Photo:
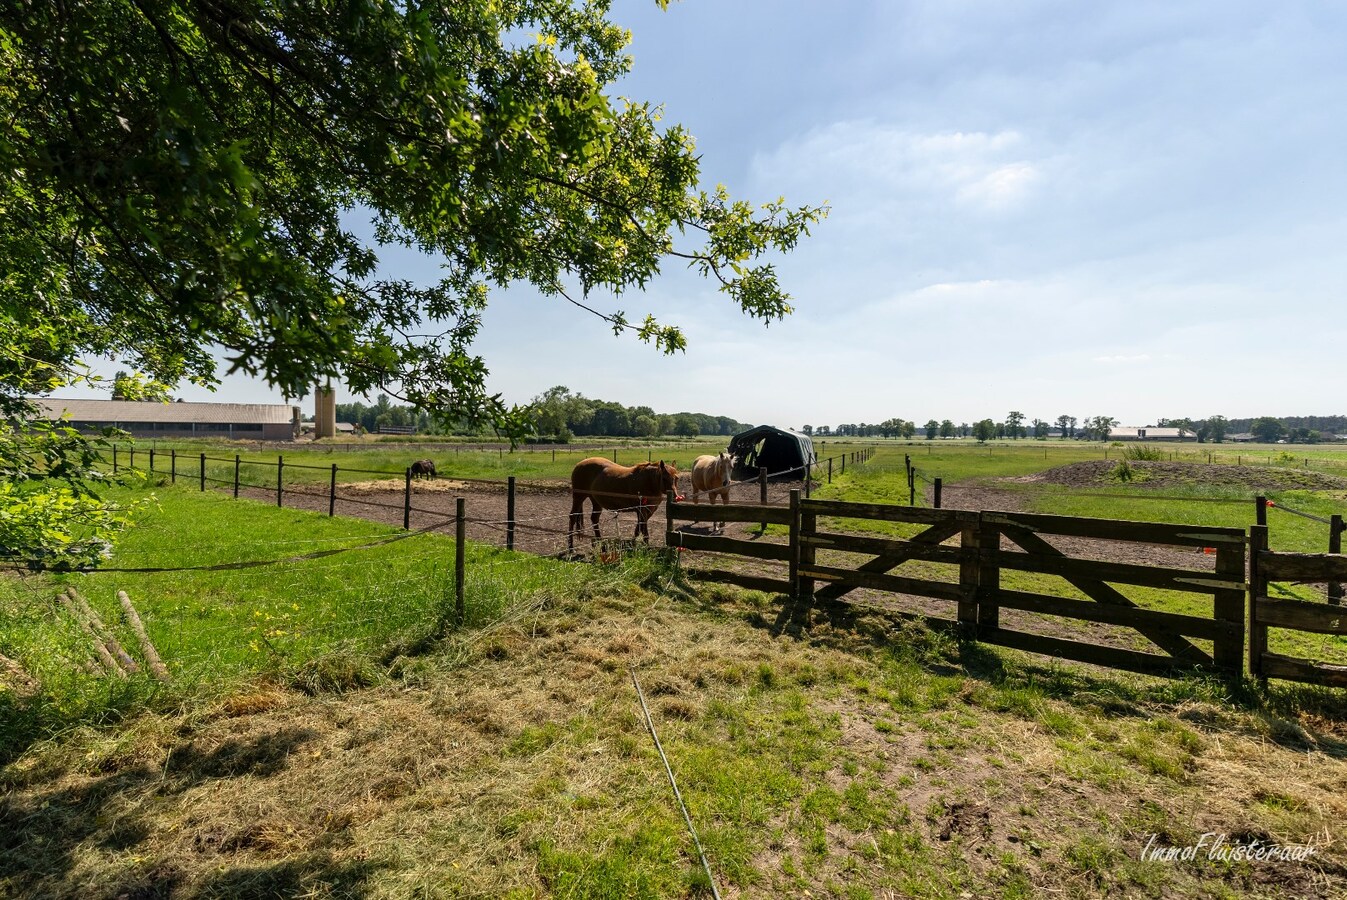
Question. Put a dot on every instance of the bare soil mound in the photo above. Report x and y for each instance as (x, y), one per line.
(1101, 472)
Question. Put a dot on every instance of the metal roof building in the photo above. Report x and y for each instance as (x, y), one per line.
(245, 421)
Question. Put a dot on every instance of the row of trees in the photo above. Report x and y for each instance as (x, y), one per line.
(557, 414)
(1013, 427)
(560, 414)
(1213, 429)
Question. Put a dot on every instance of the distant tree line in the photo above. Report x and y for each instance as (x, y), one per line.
(557, 415)
(560, 414)
(1212, 429)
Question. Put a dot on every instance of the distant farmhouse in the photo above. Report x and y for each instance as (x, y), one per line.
(1150, 433)
(151, 419)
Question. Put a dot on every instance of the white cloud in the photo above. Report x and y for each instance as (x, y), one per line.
(1123, 359)
(983, 171)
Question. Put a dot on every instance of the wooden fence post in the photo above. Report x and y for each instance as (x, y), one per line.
(509, 513)
(1335, 526)
(203, 471)
(843, 458)
(280, 469)
(236, 476)
(151, 460)
(173, 466)
(795, 543)
(1258, 543)
(806, 524)
(132, 449)
(830, 470)
(762, 493)
(669, 501)
(1227, 648)
(407, 499)
(332, 493)
(460, 538)
(938, 485)
(912, 486)
(808, 474)
(1260, 511)
(968, 580)
(989, 575)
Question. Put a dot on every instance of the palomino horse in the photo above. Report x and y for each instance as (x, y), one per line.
(712, 474)
(608, 485)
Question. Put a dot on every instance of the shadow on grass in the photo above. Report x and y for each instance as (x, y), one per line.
(42, 834)
(1295, 717)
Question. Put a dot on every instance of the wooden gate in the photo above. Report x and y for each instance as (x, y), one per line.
(1171, 632)
(1300, 615)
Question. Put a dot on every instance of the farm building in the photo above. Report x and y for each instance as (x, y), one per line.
(777, 451)
(1150, 433)
(248, 421)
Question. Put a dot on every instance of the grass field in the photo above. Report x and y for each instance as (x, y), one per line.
(329, 730)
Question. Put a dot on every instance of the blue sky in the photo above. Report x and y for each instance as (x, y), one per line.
(1124, 208)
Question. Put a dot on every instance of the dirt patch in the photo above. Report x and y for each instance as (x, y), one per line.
(1152, 475)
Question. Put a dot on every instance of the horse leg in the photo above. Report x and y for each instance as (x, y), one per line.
(576, 521)
(594, 519)
(643, 514)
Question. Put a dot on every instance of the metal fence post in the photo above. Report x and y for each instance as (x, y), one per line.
(203, 471)
(173, 466)
(509, 514)
(332, 493)
(280, 467)
(460, 538)
(407, 500)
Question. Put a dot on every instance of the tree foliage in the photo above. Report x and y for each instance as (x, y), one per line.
(184, 177)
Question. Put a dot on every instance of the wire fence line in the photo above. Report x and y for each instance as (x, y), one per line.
(292, 598)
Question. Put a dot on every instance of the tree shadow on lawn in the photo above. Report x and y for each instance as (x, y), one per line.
(41, 833)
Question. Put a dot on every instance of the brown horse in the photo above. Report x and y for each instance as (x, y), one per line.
(608, 485)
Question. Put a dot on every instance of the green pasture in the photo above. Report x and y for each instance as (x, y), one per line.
(329, 592)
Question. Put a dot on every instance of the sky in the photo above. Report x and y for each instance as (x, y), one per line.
(1133, 209)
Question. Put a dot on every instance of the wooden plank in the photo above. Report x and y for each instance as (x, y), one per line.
(857, 544)
(887, 512)
(1277, 666)
(1118, 529)
(935, 534)
(735, 512)
(714, 543)
(752, 582)
(1175, 645)
(897, 584)
(1129, 616)
(1190, 580)
(1300, 615)
(1303, 566)
(1112, 657)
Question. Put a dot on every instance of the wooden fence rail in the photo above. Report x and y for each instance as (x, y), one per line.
(962, 554)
